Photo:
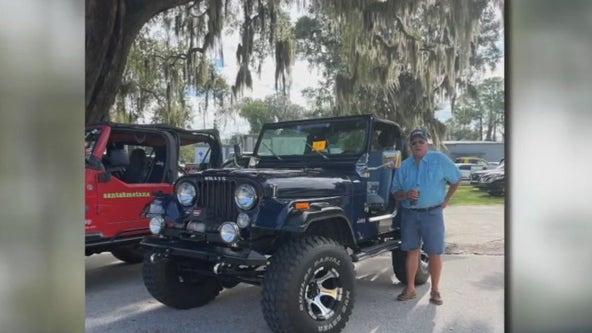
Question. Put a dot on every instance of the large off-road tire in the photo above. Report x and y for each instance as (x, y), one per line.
(399, 259)
(131, 254)
(308, 287)
(169, 286)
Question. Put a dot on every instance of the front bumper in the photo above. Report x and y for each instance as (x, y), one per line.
(496, 185)
(203, 251)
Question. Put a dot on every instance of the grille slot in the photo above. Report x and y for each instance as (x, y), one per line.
(217, 197)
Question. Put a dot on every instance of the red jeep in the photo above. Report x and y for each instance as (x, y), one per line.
(124, 165)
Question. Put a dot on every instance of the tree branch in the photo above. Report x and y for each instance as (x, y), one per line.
(180, 56)
(151, 7)
(150, 91)
(405, 29)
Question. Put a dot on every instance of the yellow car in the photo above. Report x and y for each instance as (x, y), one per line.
(471, 160)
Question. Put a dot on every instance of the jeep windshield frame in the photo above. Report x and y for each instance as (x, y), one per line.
(313, 142)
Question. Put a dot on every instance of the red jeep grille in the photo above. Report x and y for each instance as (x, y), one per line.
(217, 197)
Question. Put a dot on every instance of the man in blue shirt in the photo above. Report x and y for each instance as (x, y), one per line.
(420, 188)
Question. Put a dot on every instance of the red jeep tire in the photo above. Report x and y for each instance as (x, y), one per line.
(131, 254)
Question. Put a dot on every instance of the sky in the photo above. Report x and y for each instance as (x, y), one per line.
(303, 76)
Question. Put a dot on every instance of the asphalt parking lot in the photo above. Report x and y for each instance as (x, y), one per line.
(472, 288)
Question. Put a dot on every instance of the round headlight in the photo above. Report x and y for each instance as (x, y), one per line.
(243, 220)
(186, 193)
(245, 196)
(156, 224)
(229, 232)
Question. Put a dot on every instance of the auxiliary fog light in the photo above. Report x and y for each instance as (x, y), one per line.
(156, 224)
(243, 220)
(229, 232)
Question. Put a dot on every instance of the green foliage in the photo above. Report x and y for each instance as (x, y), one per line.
(187, 154)
(352, 142)
(275, 108)
(397, 60)
(468, 195)
(165, 66)
(256, 113)
(491, 97)
(480, 116)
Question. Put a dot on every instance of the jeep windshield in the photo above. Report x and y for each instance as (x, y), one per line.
(325, 140)
(91, 136)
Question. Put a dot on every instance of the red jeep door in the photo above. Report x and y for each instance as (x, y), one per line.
(133, 158)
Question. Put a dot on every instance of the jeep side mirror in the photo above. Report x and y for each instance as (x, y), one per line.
(391, 159)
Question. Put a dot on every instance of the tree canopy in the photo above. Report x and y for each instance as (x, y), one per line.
(113, 25)
(273, 109)
(395, 58)
(480, 116)
(399, 59)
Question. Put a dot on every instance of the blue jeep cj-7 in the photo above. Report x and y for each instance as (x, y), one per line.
(314, 198)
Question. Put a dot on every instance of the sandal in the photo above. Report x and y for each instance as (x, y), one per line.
(435, 298)
(405, 296)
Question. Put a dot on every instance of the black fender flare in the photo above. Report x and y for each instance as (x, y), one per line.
(300, 221)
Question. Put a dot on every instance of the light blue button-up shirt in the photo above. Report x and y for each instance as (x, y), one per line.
(431, 175)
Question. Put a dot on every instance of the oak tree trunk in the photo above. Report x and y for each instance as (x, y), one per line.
(111, 27)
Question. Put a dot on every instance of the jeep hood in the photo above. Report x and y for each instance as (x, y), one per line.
(291, 183)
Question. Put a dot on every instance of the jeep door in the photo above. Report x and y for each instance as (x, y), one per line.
(136, 160)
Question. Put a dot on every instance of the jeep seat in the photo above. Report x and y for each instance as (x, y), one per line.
(117, 160)
(136, 172)
(157, 173)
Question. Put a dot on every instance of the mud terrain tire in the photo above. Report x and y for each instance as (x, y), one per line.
(309, 287)
(181, 291)
(399, 257)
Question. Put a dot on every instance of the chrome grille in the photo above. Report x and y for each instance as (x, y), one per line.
(217, 197)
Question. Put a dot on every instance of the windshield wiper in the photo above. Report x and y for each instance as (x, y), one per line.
(271, 151)
(318, 152)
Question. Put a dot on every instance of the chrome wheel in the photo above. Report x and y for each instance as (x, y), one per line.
(323, 293)
(309, 287)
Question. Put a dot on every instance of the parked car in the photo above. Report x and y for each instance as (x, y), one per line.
(476, 175)
(124, 165)
(496, 185)
(471, 160)
(476, 162)
(314, 199)
(465, 170)
(493, 182)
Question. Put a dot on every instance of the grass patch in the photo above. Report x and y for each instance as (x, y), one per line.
(468, 195)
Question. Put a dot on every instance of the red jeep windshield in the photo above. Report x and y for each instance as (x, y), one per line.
(90, 141)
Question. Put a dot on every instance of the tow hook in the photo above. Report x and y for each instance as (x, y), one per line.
(154, 257)
(218, 268)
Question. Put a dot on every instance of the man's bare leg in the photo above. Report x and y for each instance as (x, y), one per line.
(435, 267)
(412, 265)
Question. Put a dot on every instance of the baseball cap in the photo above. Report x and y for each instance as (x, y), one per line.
(418, 132)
